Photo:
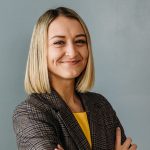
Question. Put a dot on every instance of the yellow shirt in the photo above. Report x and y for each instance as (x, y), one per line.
(81, 117)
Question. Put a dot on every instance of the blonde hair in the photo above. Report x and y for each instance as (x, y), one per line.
(36, 76)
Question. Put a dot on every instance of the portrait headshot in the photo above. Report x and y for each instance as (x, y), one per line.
(75, 75)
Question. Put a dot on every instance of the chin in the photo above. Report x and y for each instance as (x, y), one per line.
(71, 76)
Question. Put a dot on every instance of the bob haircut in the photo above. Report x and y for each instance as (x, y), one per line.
(36, 76)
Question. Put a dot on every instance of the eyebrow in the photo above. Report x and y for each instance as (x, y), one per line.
(80, 35)
(62, 36)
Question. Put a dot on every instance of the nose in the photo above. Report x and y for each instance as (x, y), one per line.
(71, 50)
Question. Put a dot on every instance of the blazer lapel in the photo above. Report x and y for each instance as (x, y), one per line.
(65, 115)
(95, 123)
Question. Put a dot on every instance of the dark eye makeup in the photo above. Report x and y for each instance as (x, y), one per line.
(59, 43)
(80, 41)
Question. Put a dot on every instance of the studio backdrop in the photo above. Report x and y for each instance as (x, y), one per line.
(120, 32)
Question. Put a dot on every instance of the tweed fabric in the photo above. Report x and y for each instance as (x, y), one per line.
(44, 120)
(81, 117)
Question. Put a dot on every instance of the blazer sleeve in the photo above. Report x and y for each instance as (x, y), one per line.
(112, 118)
(117, 123)
(33, 128)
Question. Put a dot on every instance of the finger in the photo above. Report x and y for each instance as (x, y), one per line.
(118, 137)
(58, 149)
(127, 143)
(133, 147)
(59, 146)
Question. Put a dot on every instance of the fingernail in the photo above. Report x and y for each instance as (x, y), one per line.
(118, 128)
(58, 146)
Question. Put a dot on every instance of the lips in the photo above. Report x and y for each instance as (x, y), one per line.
(72, 62)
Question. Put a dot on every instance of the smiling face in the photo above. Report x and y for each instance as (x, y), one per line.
(67, 49)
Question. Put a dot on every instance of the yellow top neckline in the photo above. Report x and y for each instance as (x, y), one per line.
(82, 119)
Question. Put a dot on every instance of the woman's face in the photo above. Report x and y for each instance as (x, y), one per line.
(67, 48)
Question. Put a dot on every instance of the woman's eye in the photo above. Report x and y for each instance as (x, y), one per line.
(59, 43)
(80, 42)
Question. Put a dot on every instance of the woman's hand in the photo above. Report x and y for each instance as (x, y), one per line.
(126, 144)
(59, 147)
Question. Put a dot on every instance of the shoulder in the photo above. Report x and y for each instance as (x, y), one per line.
(33, 111)
(98, 100)
(31, 105)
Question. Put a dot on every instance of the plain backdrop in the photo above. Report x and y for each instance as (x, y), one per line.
(120, 32)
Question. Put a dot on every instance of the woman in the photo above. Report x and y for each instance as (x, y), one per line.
(59, 112)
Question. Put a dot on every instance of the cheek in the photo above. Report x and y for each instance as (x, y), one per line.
(85, 54)
(53, 56)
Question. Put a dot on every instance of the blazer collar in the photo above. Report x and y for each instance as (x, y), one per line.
(59, 104)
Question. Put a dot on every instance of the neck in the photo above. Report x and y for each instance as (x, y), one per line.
(65, 88)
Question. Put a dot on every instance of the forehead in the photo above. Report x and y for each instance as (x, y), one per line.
(66, 26)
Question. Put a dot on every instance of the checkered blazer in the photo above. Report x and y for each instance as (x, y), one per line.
(44, 120)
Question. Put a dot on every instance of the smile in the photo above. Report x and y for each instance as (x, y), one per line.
(74, 62)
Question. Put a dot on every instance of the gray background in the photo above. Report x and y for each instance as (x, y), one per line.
(120, 31)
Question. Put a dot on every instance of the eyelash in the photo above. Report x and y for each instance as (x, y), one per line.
(81, 41)
(59, 43)
(63, 42)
